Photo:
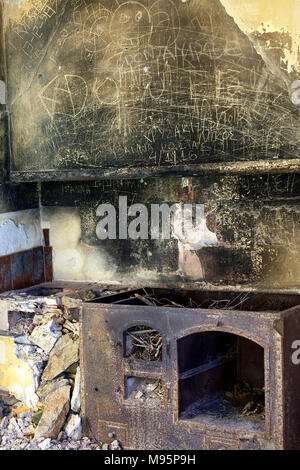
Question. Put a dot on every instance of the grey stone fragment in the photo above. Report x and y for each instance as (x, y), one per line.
(49, 387)
(45, 336)
(73, 429)
(57, 406)
(63, 355)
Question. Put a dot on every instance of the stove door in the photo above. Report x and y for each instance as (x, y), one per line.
(126, 376)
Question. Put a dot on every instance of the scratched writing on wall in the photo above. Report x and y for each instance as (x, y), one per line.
(141, 83)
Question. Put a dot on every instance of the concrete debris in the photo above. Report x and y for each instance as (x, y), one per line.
(20, 434)
(56, 409)
(72, 314)
(4, 423)
(45, 445)
(50, 302)
(9, 441)
(35, 358)
(72, 327)
(45, 336)
(21, 424)
(76, 398)
(29, 432)
(63, 355)
(49, 387)
(79, 294)
(14, 427)
(44, 333)
(69, 302)
(19, 323)
(73, 427)
(23, 302)
(115, 445)
(45, 316)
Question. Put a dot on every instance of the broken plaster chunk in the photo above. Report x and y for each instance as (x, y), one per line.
(70, 303)
(4, 423)
(73, 429)
(75, 402)
(115, 445)
(4, 308)
(46, 336)
(63, 355)
(56, 409)
(72, 327)
(34, 358)
(14, 427)
(45, 445)
(49, 387)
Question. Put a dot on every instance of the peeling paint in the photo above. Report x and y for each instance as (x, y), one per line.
(19, 231)
(270, 17)
(193, 237)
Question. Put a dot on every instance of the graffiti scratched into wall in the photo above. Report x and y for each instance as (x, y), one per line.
(140, 84)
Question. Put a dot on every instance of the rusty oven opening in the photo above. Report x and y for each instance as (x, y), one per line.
(221, 380)
(143, 343)
(143, 391)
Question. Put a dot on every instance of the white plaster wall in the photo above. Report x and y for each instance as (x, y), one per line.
(19, 231)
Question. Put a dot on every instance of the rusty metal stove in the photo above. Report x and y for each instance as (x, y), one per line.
(207, 351)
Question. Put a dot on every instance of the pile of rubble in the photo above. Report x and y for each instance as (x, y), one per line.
(46, 336)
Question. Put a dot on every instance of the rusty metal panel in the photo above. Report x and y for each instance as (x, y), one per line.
(5, 273)
(48, 263)
(204, 351)
(27, 268)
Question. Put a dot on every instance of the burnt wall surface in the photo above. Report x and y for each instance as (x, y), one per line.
(250, 232)
(142, 84)
(18, 197)
(13, 197)
(132, 87)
